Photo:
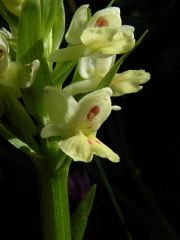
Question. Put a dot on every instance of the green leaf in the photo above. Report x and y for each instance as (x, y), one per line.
(16, 142)
(53, 24)
(30, 42)
(58, 26)
(30, 47)
(10, 18)
(20, 121)
(111, 3)
(48, 13)
(61, 72)
(113, 198)
(80, 217)
(110, 75)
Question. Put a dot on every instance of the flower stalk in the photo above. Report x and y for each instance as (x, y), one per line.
(54, 203)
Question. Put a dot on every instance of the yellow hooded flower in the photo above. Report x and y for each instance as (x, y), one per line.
(129, 82)
(103, 34)
(77, 123)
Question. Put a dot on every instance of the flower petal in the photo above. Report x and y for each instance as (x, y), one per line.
(83, 86)
(50, 131)
(82, 148)
(93, 109)
(77, 25)
(60, 106)
(129, 82)
(77, 147)
(108, 40)
(101, 150)
(29, 73)
(111, 15)
(19, 75)
(70, 53)
(92, 66)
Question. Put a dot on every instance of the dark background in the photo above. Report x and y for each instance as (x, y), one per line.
(145, 133)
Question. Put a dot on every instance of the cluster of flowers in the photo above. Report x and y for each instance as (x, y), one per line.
(93, 41)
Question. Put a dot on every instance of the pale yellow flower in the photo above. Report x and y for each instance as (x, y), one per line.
(77, 123)
(102, 34)
(129, 82)
(14, 74)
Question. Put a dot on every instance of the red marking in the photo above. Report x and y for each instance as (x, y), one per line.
(89, 141)
(93, 112)
(101, 22)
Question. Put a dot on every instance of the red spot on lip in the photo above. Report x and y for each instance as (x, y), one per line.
(101, 22)
(93, 112)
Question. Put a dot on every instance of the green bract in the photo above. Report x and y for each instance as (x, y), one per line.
(78, 122)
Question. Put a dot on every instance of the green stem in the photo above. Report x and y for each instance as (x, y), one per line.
(54, 204)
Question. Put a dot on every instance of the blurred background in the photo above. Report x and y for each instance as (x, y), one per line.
(145, 133)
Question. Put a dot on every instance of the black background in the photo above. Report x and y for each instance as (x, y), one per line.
(145, 133)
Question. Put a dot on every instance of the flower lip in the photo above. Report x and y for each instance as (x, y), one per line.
(94, 111)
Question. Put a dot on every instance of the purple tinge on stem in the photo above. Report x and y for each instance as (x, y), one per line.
(78, 184)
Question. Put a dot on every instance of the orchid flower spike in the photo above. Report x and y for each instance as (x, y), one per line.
(129, 82)
(102, 34)
(77, 123)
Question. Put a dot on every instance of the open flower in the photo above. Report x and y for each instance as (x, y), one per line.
(77, 123)
(103, 34)
(104, 31)
(92, 70)
(129, 82)
(14, 74)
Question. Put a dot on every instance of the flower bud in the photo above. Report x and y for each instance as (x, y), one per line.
(129, 82)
